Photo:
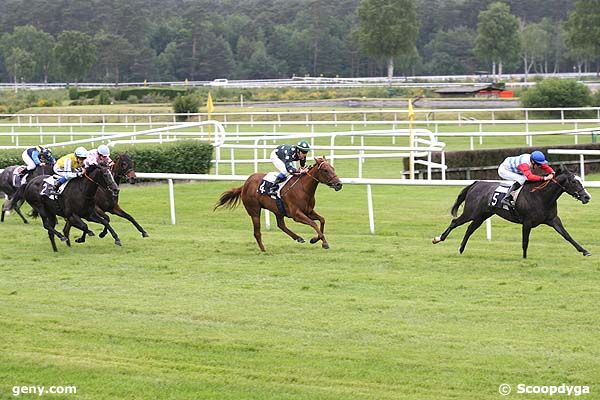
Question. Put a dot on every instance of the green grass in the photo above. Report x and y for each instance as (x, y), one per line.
(195, 311)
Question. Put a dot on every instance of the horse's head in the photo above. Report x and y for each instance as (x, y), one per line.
(572, 184)
(101, 175)
(123, 169)
(325, 173)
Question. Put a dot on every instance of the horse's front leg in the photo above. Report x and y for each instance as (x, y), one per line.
(281, 225)
(316, 216)
(525, 238)
(121, 213)
(94, 217)
(299, 216)
(556, 223)
(76, 221)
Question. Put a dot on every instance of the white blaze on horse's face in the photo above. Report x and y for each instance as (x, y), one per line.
(586, 197)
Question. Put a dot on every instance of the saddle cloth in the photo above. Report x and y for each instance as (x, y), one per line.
(268, 181)
(49, 183)
(500, 193)
(16, 174)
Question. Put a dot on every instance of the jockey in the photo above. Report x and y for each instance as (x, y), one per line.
(284, 157)
(518, 169)
(101, 155)
(35, 156)
(68, 167)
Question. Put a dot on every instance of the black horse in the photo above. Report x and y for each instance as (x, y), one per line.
(535, 205)
(76, 202)
(122, 169)
(14, 193)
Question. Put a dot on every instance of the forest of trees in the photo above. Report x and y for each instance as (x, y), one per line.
(167, 40)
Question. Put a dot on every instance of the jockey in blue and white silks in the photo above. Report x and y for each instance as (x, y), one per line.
(518, 169)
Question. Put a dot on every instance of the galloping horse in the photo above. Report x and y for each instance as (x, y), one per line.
(15, 194)
(122, 169)
(76, 202)
(535, 205)
(298, 196)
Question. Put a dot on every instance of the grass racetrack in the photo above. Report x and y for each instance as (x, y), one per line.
(195, 311)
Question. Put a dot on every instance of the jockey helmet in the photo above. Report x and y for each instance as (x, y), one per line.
(303, 146)
(40, 148)
(103, 150)
(81, 152)
(538, 157)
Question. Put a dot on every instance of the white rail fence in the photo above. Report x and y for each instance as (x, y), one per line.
(347, 181)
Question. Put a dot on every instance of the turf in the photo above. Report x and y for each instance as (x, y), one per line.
(195, 311)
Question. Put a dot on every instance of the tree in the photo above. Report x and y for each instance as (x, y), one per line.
(75, 53)
(533, 46)
(115, 53)
(19, 63)
(388, 29)
(38, 45)
(498, 39)
(583, 28)
(451, 52)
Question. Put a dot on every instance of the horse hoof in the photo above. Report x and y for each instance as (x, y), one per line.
(325, 245)
(25, 222)
(436, 240)
(63, 239)
(101, 235)
(586, 253)
(314, 240)
(80, 240)
(145, 234)
(118, 242)
(68, 243)
(300, 240)
(90, 233)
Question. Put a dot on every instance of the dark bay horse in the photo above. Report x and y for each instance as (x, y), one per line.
(122, 169)
(15, 194)
(535, 205)
(76, 202)
(298, 196)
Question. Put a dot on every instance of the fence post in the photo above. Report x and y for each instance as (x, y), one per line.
(370, 206)
(488, 228)
(172, 201)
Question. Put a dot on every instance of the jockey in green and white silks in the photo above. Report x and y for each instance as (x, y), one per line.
(284, 158)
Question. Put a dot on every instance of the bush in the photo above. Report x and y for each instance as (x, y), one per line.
(185, 105)
(133, 100)
(104, 97)
(73, 93)
(551, 93)
(182, 157)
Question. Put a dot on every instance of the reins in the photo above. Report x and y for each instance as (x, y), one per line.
(300, 176)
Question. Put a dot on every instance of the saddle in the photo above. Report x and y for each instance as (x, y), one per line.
(19, 176)
(268, 181)
(49, 185)
(499, 194)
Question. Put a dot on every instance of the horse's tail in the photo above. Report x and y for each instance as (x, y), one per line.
(459, 200)
(230, 199)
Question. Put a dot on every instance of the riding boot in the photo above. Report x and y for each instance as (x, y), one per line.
(508, 199)
(56, 186)
(275, 185)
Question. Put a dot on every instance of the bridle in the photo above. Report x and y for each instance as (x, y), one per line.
(328, 183)
(85, 175)
(542, 186)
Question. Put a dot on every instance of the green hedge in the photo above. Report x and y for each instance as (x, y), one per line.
(183, 157)
(484, 163)
(125, 93)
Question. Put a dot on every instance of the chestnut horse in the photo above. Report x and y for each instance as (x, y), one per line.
(298, 197)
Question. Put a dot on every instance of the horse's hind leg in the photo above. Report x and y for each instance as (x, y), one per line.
(314, 215)
(470, 229)
(100, 220)
(257, 234)
(456, 222)
(281, 225)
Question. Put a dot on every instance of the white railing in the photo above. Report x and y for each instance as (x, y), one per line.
(581, 153)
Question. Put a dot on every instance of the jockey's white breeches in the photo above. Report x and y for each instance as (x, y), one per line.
(280, 165)
(510, 176)
(28, 160)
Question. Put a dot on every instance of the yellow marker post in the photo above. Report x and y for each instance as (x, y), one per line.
(411, 118)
